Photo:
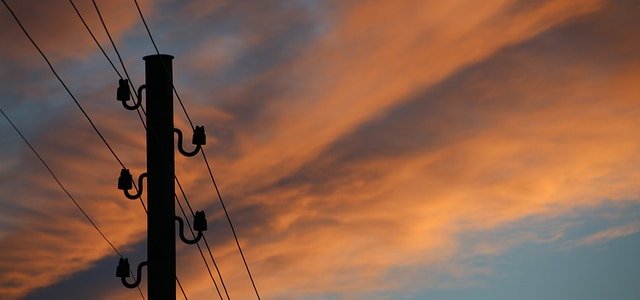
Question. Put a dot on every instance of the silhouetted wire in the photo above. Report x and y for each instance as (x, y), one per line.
(184, 195)
(145, 26)
(138, 287)
(137, 96)
(216, 266)
(235, 236)
(64, 189)
(55, 73)
(164, 156)
(115, 69)
(63, 84)
(15, 17)
(111, 40)
(198, 245)
(153, 133)
(94, 38)
(124, 68)
(181, 289)
(58, 182)
(146, 128)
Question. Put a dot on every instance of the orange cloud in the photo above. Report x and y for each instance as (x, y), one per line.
(374, 60)
(56, 28)
(51, 235)
(402, 127)
(503, 149)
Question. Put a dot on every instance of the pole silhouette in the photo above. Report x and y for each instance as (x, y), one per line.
(161, 247)
(160, 175)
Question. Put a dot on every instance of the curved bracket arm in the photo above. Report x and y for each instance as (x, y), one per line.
(140, 188)
(181, 231)
(138, 277)
(181, 149)
(138, 103)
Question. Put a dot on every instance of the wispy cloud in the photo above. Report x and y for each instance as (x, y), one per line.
(606, 235)
(354, 143)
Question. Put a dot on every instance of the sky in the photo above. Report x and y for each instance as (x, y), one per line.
(365, 149)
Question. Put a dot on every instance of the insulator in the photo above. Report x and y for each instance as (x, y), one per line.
(125, 179)
(123, 269)
(123, 94)
(199, 137)
(199, 221)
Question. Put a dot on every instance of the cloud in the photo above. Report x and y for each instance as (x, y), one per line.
(379, 64)
(396, 191)
(59, 32)
(48, 227)
(356, 162)
(607, 235)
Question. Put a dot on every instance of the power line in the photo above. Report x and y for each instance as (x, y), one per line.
(15, 17)
(64, 189)
(181, 289)
(153, 133)
(124, 68)
(198, 245)
(112, 65)
(84, 113)
(205, 241)
(235, 236)
(111, 40)
(144, 22)
(115, 48)
(63, 84)
(94, 38)
(58, 182)
(146, 27)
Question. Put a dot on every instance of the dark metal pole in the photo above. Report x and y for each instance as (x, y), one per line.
(161, 247)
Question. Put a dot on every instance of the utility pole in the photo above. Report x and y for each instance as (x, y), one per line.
(161, 247)
(161, 217)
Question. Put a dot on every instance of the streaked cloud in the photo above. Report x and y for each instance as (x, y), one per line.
(355, 143)
(608, 234)
(57, 29)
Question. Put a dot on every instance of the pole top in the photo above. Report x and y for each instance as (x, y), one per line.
(158, 57)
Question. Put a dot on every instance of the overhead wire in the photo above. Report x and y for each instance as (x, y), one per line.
(226, 212)
(235, 235)
(198, 245)
(55, 73)
(144, 22)
(64, 189)
(138, 111)
(204, 238)
(94, 38)
(103, 138)
(75, 100)
(86, 26)
(82, 110)
(153, 133)
(111, 40)
(124, 68)
(145, 26)
(181, 289)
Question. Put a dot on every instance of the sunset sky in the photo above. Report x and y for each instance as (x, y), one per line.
(382, 149)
